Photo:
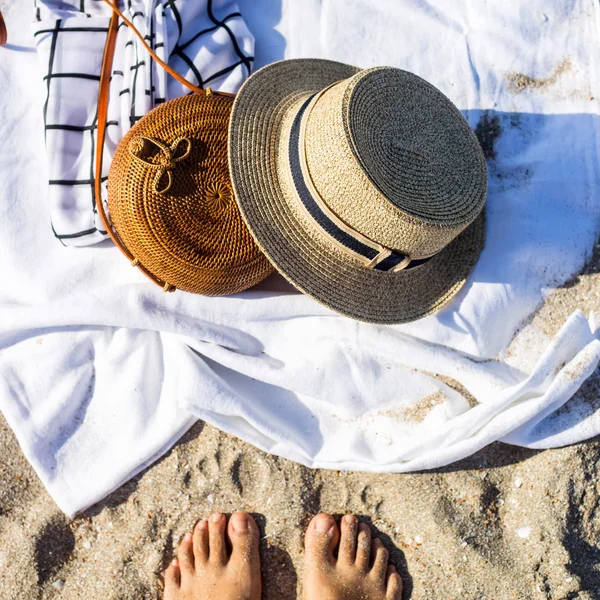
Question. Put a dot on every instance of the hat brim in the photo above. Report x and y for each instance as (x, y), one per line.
(298, 250)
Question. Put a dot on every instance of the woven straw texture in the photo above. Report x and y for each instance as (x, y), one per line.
(190, 235)
(390, 155)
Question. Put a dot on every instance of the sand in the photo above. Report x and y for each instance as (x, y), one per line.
(518, 82)
(504, 524)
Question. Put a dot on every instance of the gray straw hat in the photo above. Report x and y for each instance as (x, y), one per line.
(365, 188)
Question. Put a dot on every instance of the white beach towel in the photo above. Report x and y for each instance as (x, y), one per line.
(100, 372)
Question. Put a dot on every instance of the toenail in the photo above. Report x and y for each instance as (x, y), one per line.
(215, 518)
(350, 519)
(239, 523)
(174, 562)
(187, 538)
(323, 525)
(201, 525)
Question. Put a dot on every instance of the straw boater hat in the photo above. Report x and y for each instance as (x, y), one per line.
(365, 188)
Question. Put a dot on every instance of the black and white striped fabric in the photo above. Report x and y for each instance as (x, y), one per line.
(206, 41)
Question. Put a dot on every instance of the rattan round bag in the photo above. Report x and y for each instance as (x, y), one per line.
(171, 202)
(171, 205)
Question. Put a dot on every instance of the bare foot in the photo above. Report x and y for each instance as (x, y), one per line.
(205, 570)
(360, 571)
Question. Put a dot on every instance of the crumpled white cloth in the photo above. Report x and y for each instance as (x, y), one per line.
(207, 41)
(100, 372)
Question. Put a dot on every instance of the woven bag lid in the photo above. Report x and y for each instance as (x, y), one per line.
(171, 202)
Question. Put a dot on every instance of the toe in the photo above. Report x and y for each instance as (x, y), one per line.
(380, 560)
(185, 554)
(243, 534)
(394, 584)
(172, 580)
(349, 527)
(322, 537)
(363, 547)
(216, 538)
(201, 542)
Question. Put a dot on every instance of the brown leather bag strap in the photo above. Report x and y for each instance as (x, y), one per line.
(103, 98)
(3, 32)
(153, 54)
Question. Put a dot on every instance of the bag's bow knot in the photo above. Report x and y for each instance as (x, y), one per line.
(167, 158)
